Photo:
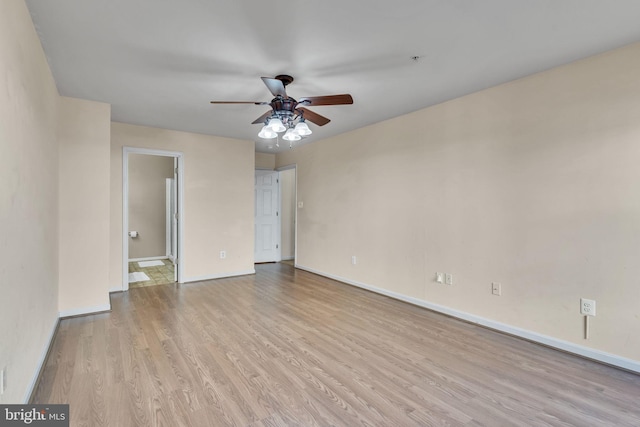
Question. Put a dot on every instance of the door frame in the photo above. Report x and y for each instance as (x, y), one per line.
(171, 221)
(293, 166)
(125, 208)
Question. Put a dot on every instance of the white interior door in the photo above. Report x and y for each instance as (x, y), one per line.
(174, 219)
(168, 218)
(267, 221)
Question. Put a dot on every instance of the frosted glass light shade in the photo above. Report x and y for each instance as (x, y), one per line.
(267, 133)
(303, 129)
(276, 125)
(291, 135)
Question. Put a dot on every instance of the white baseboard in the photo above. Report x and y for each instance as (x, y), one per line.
(590, 353)
(85, 310)
(288, 258)
(151, 258)
(41, 361)
(218, 276)
(118, 289)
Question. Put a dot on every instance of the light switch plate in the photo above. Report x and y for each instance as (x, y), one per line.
(496, 289)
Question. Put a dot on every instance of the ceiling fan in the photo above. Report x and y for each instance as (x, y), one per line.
(286, 113)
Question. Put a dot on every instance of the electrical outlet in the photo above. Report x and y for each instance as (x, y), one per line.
(448, 278)
(354, 260)
(440, 277)
(587, 307)
(496, 289)
(3, 380)
(223, 254)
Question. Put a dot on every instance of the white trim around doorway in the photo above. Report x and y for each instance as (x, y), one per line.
(293, 166)
(125, 208)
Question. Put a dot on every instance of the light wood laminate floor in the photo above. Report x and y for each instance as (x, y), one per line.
(289, 348)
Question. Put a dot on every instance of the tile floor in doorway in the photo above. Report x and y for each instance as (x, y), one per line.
(159, 275)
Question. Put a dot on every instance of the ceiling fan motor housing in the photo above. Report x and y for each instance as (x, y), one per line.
(284, 106)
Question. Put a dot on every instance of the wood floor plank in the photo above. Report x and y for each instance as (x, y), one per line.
(286, 347)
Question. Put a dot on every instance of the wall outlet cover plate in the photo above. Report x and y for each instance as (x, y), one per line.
(587, 307)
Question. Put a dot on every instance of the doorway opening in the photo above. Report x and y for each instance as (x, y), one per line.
(289, 219)
(152, 223)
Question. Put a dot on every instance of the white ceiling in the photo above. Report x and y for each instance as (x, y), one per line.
(160, 62)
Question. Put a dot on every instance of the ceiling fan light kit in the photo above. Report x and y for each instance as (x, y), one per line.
(276, 125)
(267, 133)
(291, 135)
(302, 128)
(288, 115)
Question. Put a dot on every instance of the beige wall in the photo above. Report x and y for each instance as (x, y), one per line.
(533, 184)
(265, 161)
(288, 210)
(218, 199)
(29, 201)
(147, 204)
(84, 149)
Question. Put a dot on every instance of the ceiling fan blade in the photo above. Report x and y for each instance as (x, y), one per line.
(275, 86)
(240, 102)
(313, 117)
(262, 118)
(326, 100)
